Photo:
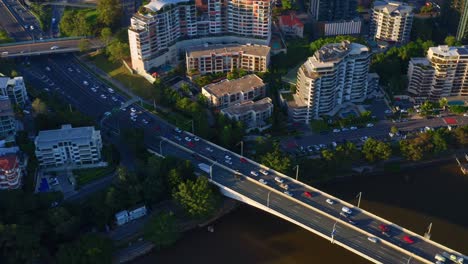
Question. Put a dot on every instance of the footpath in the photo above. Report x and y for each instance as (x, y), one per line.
(134, 230)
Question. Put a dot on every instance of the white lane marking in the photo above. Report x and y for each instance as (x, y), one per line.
(359, 241)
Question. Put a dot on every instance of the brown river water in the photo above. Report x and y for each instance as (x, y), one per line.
(413, 199)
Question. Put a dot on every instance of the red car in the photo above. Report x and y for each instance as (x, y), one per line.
(191, 144)
(384, 228)
(243, 160)
(308, 194)
(408, 239)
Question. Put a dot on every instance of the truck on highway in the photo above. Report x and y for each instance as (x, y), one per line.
(204, 167)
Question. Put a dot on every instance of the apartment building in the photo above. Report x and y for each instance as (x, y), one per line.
(290, 25)
(443, 73)
(7, 119)
(12, 166)
(224, 58)
(420, 77)
(164, 28)
(391, 21)
(335, 75)
(230, 92)
(14, 88)
(344, 27)
(68, 146)
(254, 115)
(333, 10)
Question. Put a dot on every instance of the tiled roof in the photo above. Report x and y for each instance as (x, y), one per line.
(291, 20)
(8, 162)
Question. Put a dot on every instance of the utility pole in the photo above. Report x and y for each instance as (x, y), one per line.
(242, 147)
(297, 171)
(333, 233)
(428, 233)
(268, 199)
(359, 200)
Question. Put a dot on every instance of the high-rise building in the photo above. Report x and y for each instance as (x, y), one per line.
(333, 10)
(68, 146)
(14, 88)
(7, 119)
(336, 74)
(443, 73)
(164, 28)
(391, 21)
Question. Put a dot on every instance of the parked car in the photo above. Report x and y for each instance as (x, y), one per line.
(336, 130)
(369, 125)
(262, 181)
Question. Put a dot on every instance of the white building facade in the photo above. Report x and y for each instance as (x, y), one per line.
(254, 115)
(336, 74)
(68, 146)
(14, 88)
(391, 22)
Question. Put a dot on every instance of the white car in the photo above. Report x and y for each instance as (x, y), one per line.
(262, 181)
(228, 162)
(369, 125)
(133, 114)
(178, 138)
(94, 90)
(330, 201)
(110, 90)
(353, 128)
(114, 99)
(373, 239)
(103, 96)
(227, 157)
(70, 69)
(465, 114)
(346, 210)
(288, 193)
(85, 83)
(196, 139)
(264, 172)
(336, 130)
(209, 149)
(47, 68)
(344, 129)
(134, 119)
(188, 139)
(175, 129)
(133, 110)
(279, 180)
(54, 47)
(334, 144)
(254, 173)
(145, 121)
(388, 112)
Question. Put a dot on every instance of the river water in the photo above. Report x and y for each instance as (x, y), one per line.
(412, 199)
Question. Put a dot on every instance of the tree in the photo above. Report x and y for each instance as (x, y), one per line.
(14, 73)
(39, 107)
(106, 35)
(461, 135)
(196, 197)
(75, 24)
(451, 41)
(162, 230)
(154, 185)
(411, 151)
(443, 103)
(84, 45)
(276, 160)
(109, 12)
(4, 38)
(89, 249)
(374, 150)
(117, 51)
(394, 130)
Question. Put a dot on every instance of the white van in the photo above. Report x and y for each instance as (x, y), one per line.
(440, 258)
(346, 210)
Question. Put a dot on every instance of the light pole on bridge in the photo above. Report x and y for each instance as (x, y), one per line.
(211, 170)
(242, 147)
(333, 233)
(409, 259)
(359, 199)
(297, 171)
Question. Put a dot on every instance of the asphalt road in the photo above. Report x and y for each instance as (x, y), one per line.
(25, 18)
(42, 47)
(10, 24)
(70, 85)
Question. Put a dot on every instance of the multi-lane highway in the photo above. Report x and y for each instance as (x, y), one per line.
(9, 22)
(45, 47)
(62, 75)
(25, 19)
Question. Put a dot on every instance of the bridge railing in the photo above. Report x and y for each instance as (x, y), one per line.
(341, 201)
(41, 41)
(388, 243)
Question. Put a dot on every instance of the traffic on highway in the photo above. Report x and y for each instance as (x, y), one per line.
(357, 229)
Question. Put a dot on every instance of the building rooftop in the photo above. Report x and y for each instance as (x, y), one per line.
(156, 5)
(243, 84)
(291, 20)
(393, 7)
(5, 106)
(65, 133)
(247, 106)
(446, 51)
(8, 162)
(208, 50)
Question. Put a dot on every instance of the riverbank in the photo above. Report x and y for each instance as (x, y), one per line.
(140, 247)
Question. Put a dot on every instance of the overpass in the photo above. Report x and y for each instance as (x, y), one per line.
(32, 48)
(82, 5)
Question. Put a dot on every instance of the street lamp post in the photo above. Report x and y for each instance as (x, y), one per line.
(297, 171)
(268, 199)
(333, 233)
(409, 259)
(211, 170)
(242, 147)
(359, 200)
(160, 146)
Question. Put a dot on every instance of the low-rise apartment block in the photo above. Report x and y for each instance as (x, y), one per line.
(14, 88)
(230, 92)
(253, 115)
(290, 25)
(12, 166)
(224, 58)
(68, 146)
(7, 119)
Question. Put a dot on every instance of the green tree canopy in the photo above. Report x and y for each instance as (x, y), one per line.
(196, 197)
(162, 230)
(374, 150)
(39, 107)
(88, 249)
(118, 51)
(109, 12)
(277, 160)
(106, 35)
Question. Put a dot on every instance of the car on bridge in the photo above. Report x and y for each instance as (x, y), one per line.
(262, 181)
(279, 180)
(373, 239)
(254, 173)
(346, 210)
(264, 172)
(307, 194)
(408, 240)
(288, 193)
(330, 201)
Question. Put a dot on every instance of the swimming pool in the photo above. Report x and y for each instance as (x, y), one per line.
(456, 102)
(276, 45)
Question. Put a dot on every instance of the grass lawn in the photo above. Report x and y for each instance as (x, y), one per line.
(139, 85)
(88, 175)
